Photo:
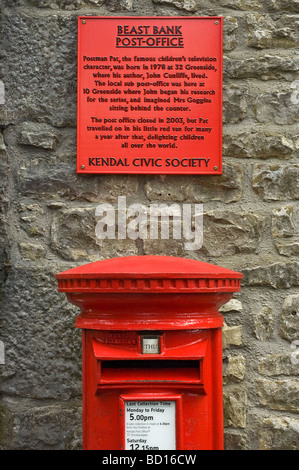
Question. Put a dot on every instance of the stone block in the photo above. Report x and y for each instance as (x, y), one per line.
(234, 441)
(289, 324)
(235, 369)
(282, 224)
(38, 135)
(278, 433)
(185, 5)
(288, 248)
(278, 394)
(231, 335)
(2, 145)
(278, 107)
(169, 188)
(73, 234)
(234, 407)
(232, 305)
(276, 182)
(116, 248)
(164, 247)
(242, 5)
(263, 323)
(235, 104)
(226, 188)
(276, 275)
(279, 364)
(230, 27)
(267, 66)
(238, 232)
(47, 169)
(33, 252)
(265, 31)
(112, 5)
(33, 225)
(284, 5)
(56, 4)
(113, 186)
(251, 144)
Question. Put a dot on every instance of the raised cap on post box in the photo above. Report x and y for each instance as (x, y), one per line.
(141, 292)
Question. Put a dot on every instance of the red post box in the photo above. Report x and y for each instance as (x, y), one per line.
(152, 351)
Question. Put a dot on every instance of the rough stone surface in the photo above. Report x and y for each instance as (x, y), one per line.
(288, 248)
(264, 67)
(47, 41)
(277, 106)
(48, 217)
(73, 234)
(252, 144)
(226, 187)
(231, 336)
(279, 364)
(277, 275)
(279, 434)
(240, 233)
(290, 318)
(265, 31)
(42, 347)
(234, 441)
(263, 323)
(282, 224)
(235, 104)
(41, 426)
(38, 135)
(235, 403)
(185, 5)
(235, 369)
(230, 28)
(279, 394)
(231, 306)
(276, 182)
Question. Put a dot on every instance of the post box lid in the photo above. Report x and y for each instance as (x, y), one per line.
(150, 273)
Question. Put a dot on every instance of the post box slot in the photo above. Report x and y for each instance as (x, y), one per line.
(149, 370)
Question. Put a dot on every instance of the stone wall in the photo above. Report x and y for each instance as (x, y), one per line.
(48, 217)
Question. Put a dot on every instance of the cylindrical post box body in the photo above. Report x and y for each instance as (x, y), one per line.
(151, 351)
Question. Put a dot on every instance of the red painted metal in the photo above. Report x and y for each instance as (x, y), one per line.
(125, 300)
(149, 95)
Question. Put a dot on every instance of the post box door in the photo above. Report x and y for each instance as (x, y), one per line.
(176, 382)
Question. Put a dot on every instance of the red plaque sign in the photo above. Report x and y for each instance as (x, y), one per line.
(150, 95)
